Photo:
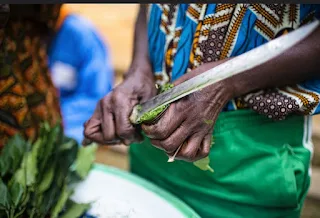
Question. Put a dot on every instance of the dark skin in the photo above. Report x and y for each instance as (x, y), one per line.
(190, 121)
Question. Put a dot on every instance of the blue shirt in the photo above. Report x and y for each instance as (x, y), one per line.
(81, 69)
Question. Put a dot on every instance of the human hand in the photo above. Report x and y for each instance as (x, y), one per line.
(189, 122)
(110, 122)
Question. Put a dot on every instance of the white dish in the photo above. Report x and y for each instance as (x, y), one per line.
(119, 194)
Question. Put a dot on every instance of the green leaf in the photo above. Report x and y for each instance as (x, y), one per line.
(26, 175)
(68, 144)
(48, 149)
(12, 154)
(47, 180)
(75, 210)
(65, 194)
(85, 158)
(203, 164)
(5, 198)
(16, 192)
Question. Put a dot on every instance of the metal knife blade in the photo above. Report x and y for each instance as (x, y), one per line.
(230, 68)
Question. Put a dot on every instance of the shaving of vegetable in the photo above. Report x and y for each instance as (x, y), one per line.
(203, 163)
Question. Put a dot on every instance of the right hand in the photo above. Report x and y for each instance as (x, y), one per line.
(110, 121)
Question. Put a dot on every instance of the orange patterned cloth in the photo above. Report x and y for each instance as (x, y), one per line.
(27, 94)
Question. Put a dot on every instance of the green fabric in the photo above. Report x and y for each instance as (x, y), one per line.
(261, 168)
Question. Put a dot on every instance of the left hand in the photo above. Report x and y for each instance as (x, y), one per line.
(190, 120)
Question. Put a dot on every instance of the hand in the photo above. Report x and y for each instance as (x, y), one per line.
(189, 122)
(110, 120)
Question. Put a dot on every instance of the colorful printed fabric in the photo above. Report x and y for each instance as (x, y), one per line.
(27, 95)
(184, 36)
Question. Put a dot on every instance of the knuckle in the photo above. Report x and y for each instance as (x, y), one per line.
(189, 155)
(125, 133)
(86, 133)
(206, 152)
(161, 134)
(154, 131)
(169, 146)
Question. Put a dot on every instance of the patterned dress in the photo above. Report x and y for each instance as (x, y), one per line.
(27, 95)
(184, 36)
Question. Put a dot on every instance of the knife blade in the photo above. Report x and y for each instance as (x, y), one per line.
(237, 65)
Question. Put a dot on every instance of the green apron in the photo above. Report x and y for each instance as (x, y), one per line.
(261, 168)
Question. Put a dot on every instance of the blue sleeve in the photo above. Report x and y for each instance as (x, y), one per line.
(79, 46)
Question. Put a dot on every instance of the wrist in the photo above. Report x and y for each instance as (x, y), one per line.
(139, 68)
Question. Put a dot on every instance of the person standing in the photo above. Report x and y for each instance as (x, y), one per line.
(259, 120)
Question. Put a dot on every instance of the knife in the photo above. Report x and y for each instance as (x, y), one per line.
(229, 68)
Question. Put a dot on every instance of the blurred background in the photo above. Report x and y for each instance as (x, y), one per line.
(115, 23)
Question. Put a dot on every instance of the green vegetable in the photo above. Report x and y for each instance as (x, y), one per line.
(37, 180)
(151, 115)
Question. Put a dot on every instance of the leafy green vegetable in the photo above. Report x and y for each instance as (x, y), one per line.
(5, 196)
(11, 156)
(16, 192)
(65, 194)
(47, 180)
(85, 158)
(37, 180)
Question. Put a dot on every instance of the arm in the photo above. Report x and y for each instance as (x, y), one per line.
(297, 64)
(140, 54)
(186, 121)
(110, 121)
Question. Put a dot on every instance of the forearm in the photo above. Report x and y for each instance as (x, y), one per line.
(297, 64)
(140, 55)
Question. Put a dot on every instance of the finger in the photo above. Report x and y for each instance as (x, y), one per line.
(93, 124)
(189, 150)
(93, 132)
(170, 144)
(92, 128)
(107, 125)
(123, 127)
(166, 125)
(205, 147)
